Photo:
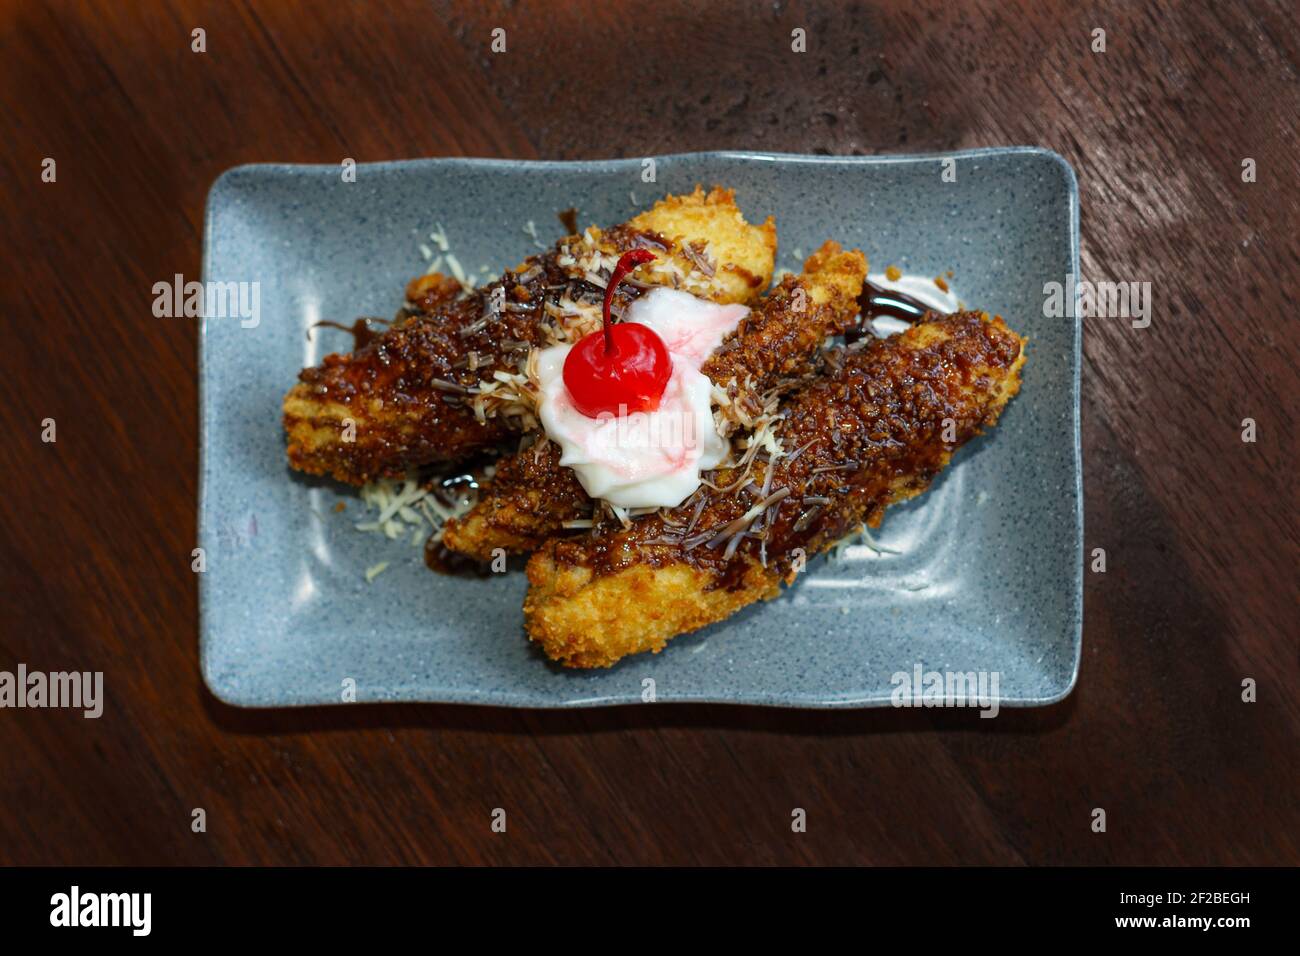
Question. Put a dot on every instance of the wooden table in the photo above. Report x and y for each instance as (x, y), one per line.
(1199, 527)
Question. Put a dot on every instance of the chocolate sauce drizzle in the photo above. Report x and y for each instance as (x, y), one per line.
(437, 556)
(362, 333)
(876, 302)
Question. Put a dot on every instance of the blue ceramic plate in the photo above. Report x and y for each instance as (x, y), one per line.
(987, 577)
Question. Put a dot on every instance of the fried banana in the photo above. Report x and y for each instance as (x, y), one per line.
(447, 378)
(532, 495)
(874, 430)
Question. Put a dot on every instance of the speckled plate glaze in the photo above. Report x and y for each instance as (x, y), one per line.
(988, 570)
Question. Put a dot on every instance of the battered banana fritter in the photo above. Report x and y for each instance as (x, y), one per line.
(441, 383)
(874, 430)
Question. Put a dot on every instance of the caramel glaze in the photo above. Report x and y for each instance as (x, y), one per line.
(873, 434)
(442, 560)
(397, 380)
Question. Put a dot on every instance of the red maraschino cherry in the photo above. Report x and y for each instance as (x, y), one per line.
(623, 367)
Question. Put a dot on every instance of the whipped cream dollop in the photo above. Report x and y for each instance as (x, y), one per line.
(646, 459)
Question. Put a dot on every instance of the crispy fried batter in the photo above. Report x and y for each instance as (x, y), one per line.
(532, 494)
(743, 254)
(409, 397)
(779, 338)
(866, 435)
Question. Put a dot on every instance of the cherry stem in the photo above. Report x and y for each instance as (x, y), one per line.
(626, 263)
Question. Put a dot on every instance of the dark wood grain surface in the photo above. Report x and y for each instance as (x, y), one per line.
(1199, 527)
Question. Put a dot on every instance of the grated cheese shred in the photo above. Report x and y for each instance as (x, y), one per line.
(410, 509)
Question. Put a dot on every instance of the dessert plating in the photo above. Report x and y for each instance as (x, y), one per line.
(796, 441)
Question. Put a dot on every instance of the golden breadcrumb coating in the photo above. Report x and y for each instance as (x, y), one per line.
(874, 430)
(744, 254)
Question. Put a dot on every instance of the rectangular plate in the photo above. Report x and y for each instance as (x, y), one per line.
(989, 571)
